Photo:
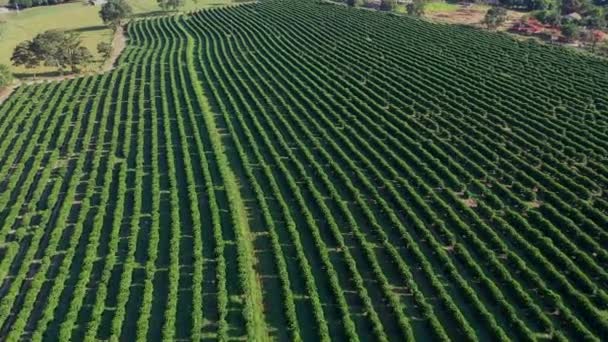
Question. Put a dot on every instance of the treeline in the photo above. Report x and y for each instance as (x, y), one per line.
(18, 4)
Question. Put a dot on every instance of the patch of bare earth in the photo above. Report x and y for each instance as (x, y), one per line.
(6, 92)
(473, 16)
(470, 202)
(119, 42)
(464, 15)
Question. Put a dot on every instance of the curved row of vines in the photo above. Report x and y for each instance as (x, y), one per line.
(295, 170)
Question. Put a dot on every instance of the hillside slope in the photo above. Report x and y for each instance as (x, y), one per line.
(299, 171)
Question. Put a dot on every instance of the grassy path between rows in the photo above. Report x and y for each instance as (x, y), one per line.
(254, 307)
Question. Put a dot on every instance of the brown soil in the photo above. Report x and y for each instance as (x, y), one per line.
(470, 202)
(118, 45)
(6, 92)
(473, 16)
(465, 16)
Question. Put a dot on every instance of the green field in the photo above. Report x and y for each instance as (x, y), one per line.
(26, 24)
(273, 171)
(441, 7)
(16, 27)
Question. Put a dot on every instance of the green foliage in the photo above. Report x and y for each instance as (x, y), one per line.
(575, 6)
(113, 12)
(549, 17)
(595, 18)
(416, 8)
(25, 55)
(570, 31)
(21, 4)
(495, 17)
(388, 5)
(6, 77)
(170, 4)
(52, 48)
(269, 172)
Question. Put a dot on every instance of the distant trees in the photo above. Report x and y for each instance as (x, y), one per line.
(25, 55)
(172, 4)
(528, 4)
(351, 3)
(416, 8)
(114, 12)
(6, 77)
(574, 6)
(52, 48)
(595, 18)
(388, 5)
(495, 17)
(31, 3)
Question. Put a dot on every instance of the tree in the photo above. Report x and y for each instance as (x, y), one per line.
(351, 3)
(53, 48)
(572, 6)
(388, 5)
(171, 4)
(114, 12)
(533, 5)
(24, 55)
(416, 8)
(49, 45)
(6, 77)
(495, 17)
(104, 49)
(570, 31)
(77, 56)
(19, 4)
(595, 18)
(552, 18)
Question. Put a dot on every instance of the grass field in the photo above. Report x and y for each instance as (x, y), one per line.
(441, 7)
(16, 27)
(23, 25)
(272, 171)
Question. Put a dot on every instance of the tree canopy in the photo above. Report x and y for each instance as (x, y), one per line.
(494, 17)
(416, 8)
(170, 4)
(570, 31)
(32, 3)
(388, 5)
(114, 12)
(52, 48)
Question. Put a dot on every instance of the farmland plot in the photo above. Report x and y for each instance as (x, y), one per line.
(299, 171)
